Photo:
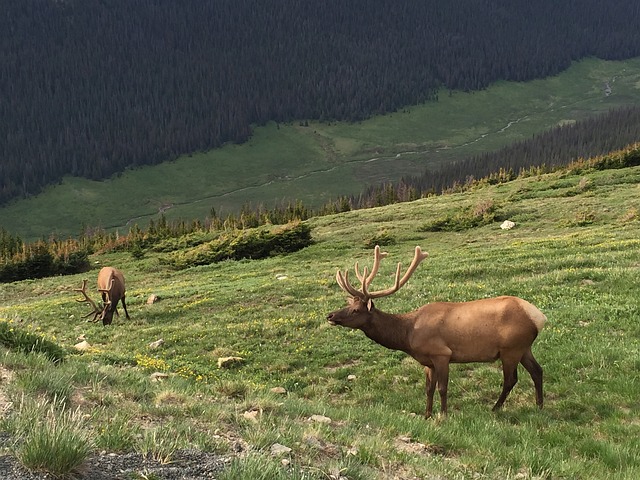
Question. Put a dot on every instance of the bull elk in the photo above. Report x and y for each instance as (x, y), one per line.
(112, 288)
(441, 333)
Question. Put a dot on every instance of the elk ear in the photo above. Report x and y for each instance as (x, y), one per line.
(369, 305)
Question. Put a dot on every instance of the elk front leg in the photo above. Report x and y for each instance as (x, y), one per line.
(441, 374)
(430, 389)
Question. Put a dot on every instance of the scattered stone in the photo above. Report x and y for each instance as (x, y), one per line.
(158, 376)
(351, 377)
(251, 415)
(277, 449)
(153, 298)
(184, 465)
(507, 225)
(587, 281)
(156, 344)
(228, 362)
(320, 419)
(279, 390)
(281, 277)
(83, 346)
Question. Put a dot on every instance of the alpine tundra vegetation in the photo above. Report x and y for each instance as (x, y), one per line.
(310, 401)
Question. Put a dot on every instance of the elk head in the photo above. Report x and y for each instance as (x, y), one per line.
(358, 312)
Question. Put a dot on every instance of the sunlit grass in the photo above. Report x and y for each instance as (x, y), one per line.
(272, 314)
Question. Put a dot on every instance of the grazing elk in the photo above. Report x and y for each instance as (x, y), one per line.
(441, 333)
(111, 286)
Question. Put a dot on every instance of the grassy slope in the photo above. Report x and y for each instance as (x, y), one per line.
(320, 162)
(574, 253)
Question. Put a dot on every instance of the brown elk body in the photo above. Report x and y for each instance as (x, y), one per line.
(111, 286)
(441, 333)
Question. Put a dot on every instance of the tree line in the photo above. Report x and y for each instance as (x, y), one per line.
(606, 141)
(93, 87)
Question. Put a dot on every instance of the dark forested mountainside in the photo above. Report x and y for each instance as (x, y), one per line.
(90, 87)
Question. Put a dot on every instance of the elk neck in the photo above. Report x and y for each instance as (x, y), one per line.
(389, 330)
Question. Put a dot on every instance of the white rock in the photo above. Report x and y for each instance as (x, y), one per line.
(158, 376)
(277, 449)
(320, 419)
(227, 362)
(83, 346)
(507, 225)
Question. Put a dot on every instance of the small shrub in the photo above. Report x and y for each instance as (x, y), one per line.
(382, 239)
(584, 218)
(252, 243)
(483, 213)
(630, 215)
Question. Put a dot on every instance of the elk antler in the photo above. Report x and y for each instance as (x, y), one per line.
(96, 311)
(366, 278)
(377, 256)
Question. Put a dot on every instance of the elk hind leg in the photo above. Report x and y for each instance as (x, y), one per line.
(124, 305)
(510, 374)
(535, 370)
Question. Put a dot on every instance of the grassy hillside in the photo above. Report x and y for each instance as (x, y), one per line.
(320, 162)
(574, 253)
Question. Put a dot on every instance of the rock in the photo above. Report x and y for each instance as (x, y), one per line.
(156, 344)
(277, 449)
(251, 415)
(153, 298)
(83, 346)
(351, 377)
(228, 362)
(279, 390)
(320, 419)
(507, 225)
(158, 376)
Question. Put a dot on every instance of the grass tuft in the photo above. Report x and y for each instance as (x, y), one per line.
(50, 437)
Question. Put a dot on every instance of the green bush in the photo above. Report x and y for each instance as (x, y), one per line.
(253, 243)
(382, 239)
(484, 213)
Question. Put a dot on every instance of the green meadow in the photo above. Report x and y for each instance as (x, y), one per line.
(319, 162)
(347, 407)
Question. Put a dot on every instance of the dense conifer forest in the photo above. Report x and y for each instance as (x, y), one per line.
(91, 87)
